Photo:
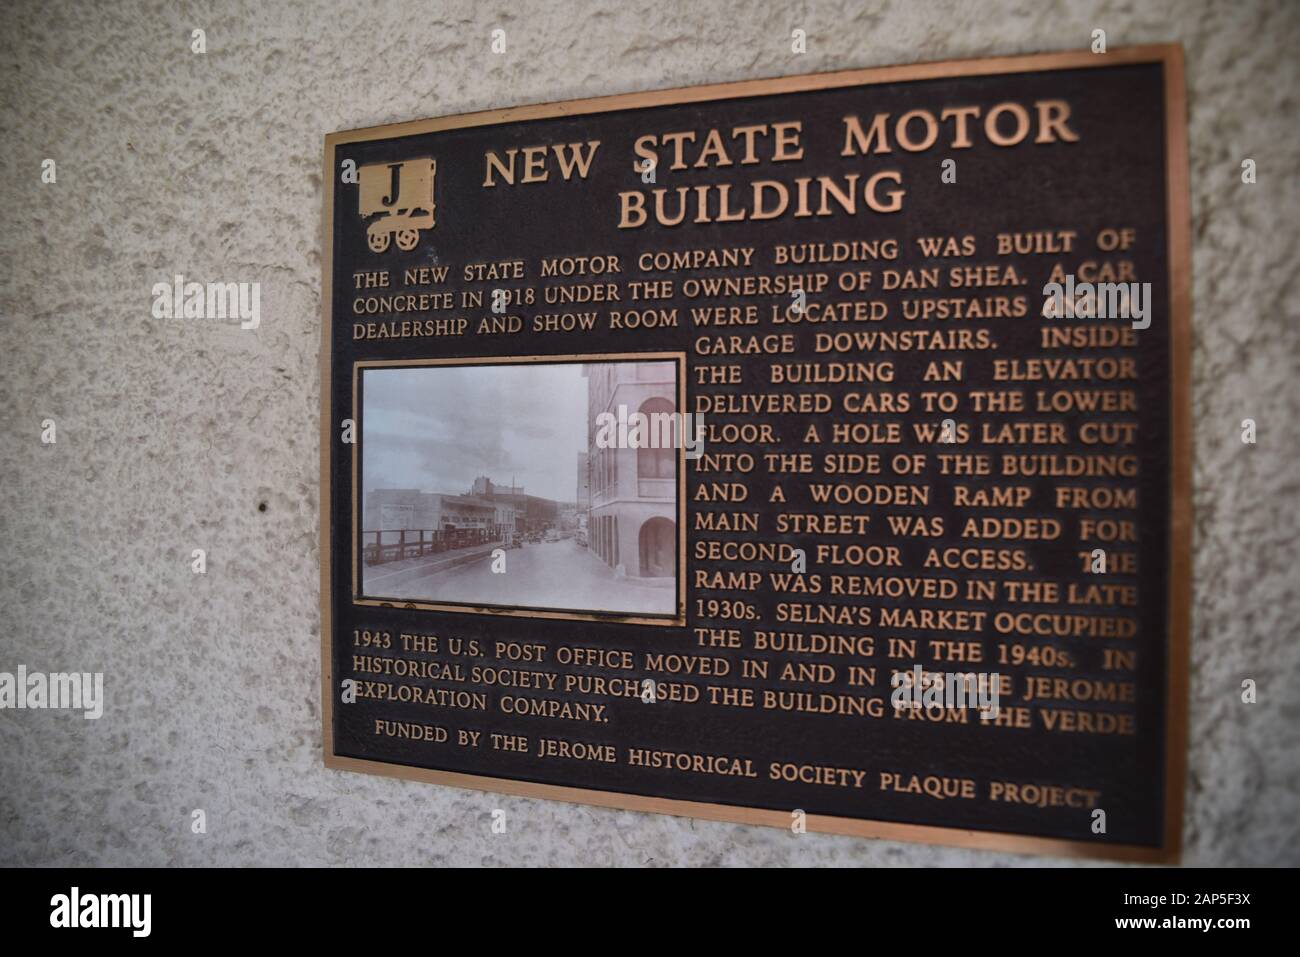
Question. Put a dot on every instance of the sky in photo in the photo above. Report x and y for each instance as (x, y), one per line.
(435, 428)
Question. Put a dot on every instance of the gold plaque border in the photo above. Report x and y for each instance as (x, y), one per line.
(1170, 57)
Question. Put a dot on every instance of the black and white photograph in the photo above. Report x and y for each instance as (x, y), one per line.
(496, 485)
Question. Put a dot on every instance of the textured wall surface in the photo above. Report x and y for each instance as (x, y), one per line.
(177, 435)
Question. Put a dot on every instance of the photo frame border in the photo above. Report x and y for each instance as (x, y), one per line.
(675, 619)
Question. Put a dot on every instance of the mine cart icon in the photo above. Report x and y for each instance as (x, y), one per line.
(401, 194)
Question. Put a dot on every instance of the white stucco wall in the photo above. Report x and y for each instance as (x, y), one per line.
(175, 435)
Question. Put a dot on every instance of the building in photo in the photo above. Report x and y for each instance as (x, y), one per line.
(632, 520)
(400, 508)
(583, 498)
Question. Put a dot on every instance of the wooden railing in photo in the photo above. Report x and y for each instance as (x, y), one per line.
(391, 545)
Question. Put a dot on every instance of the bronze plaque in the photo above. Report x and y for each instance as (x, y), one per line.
(809, 452)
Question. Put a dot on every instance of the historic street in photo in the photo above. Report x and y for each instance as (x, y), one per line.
(560, 574)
